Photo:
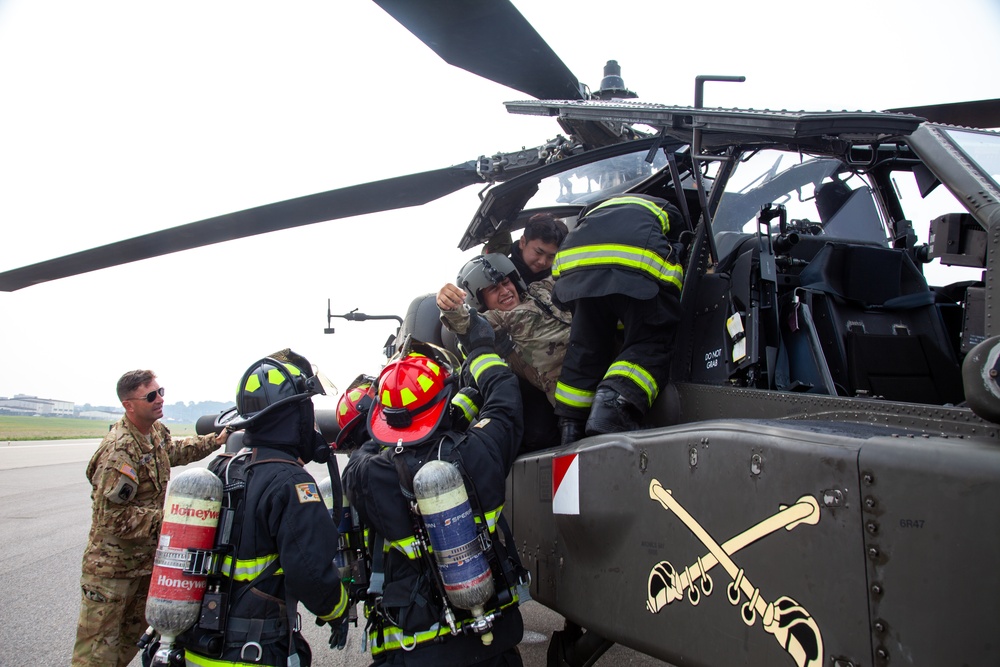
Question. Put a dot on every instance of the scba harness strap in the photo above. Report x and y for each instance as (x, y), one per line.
(508, 573)
(216, 630)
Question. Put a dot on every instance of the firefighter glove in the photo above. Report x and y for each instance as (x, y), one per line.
(478, 338)
(338, 630)
(504, 344)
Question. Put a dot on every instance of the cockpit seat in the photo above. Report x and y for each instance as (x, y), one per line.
(879, 328)
(422, 320)
(867, 275)
(830, 198)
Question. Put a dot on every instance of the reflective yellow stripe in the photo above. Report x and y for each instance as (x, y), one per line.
(660, 214)
(637, 374)
(573, 397)
(202, 661)
(341, 605)
(625, 256)
(408, 546)
(394, 638)
(483, 362)
(467, 406)
(491, 518)
(248, 570)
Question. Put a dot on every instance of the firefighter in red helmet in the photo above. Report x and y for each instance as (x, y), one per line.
(411, 422)
(352, 409)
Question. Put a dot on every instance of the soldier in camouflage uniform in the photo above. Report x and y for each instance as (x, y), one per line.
(537, 329)
(129, 473)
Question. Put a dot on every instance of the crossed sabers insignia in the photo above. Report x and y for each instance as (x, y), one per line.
(790, 624)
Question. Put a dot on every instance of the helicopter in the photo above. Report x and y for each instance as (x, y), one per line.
(813, 486)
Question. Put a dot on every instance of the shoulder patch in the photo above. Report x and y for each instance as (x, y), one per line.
(481, 423)
(129, 472)
(308, 493)
(123, 491)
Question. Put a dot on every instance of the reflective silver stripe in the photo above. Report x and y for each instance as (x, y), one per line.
(625, 256)
(573, 397)
(250, 569)
(637, 374)
(341, 605)
(467, 406)
(660, 214)
(394, 638)
(484, 362)
(407, 546)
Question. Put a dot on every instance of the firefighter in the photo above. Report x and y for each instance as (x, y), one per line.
(286, 541)
(616, 266)
(410, 619)
(352, 408)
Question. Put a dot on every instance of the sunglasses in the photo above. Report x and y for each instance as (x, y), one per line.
(150, 397)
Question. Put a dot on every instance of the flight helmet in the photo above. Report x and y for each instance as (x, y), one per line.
(483, 271)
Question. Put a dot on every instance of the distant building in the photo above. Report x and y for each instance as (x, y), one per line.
(22, 404)
(100, 414)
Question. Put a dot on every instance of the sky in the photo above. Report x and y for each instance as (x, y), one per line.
(122, 117)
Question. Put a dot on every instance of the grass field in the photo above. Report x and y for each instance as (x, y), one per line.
(62, 428)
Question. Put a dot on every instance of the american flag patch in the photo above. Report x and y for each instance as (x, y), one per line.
(129, 472)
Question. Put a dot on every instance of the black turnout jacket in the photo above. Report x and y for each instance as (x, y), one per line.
(409, 610)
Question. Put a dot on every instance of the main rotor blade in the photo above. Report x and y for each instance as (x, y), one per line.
(385, 195)
(980, 113)
(489, 38)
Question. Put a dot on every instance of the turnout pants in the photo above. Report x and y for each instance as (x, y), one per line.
(641, 366)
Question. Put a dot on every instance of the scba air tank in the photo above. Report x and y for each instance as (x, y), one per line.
(451, 529)
(190, 517)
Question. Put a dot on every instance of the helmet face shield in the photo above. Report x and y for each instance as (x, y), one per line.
(483, 271)
(411, 400)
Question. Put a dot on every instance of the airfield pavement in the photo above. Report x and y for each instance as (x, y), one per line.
(45, 516)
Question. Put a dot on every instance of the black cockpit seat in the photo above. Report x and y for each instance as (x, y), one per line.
(880, 331)
(830, 198)
(423, 321)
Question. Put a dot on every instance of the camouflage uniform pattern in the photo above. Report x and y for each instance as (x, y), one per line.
(129, 473)
(539, 330)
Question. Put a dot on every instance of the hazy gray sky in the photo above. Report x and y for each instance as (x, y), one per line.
(123, 117)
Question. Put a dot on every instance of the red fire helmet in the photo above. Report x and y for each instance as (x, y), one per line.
(411, 399)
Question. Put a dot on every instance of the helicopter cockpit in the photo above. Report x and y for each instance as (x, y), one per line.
(815, 280)
(821, 197)
(564, 187)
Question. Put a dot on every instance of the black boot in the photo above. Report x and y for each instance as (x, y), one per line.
(570, 430)
(612, 413)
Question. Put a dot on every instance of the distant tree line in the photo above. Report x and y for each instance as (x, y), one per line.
(191, 411)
